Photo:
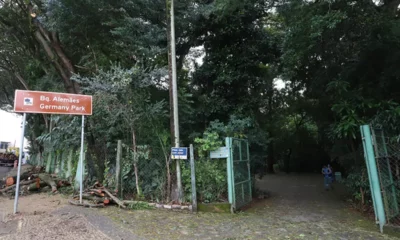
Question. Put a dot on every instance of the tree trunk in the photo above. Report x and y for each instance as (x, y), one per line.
(11, 180)
(57, 162)
(287, 161)
(118, 166)
(115, 199)
(76, 203)
(52, 47)
(271, 157)
(169, 181)
(61, 165)
(49, 158)
(94, 198)
(37, 185)
(48, 163)
(68, 175)
(4, 190)
(48, 179)
(354, 150)
(135, 161)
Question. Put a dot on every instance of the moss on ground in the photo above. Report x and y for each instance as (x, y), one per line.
(214, 207)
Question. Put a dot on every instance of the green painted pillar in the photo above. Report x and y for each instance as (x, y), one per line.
(369, 176)
(229, 165)
(374, 177)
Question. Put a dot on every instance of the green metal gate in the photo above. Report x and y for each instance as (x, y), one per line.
(238, 172)
(382, 155)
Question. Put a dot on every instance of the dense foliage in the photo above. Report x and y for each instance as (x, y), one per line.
(295, 77)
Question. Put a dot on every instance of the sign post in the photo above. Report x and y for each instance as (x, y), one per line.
(81, 159)
(50, 103)
(21, 150)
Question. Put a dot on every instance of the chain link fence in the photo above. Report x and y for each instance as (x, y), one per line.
(145, 174)
(387, 155)
(241, 173)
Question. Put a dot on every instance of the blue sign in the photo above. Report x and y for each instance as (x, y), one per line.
(179, 153)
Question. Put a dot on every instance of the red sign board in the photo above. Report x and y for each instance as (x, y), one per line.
(52, 103)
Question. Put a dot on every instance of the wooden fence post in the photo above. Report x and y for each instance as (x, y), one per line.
(118, 165)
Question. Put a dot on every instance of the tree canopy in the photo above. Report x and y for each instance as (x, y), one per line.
(303, 75)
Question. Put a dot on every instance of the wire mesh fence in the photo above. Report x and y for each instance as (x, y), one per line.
(387, 155)
(241, 172)
(147, 173)
(144, 174)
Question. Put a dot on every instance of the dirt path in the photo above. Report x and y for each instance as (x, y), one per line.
(298, 209)
(38, 219)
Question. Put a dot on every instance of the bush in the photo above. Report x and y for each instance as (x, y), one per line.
(358, 185)
(211, 184)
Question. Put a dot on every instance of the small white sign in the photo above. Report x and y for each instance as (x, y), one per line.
(222, 152)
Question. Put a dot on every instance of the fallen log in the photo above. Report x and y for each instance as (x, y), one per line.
(83, 204)
(24, 169)
(98, 192)
(93, 198)
(62, 183)
(114, 198)
(96, 185)
(37, 185)
(49, 180)
(4, 190)
(128, 202)
(11, 180)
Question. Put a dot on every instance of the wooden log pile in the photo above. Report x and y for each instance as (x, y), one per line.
(97, 196)
(32, 179)
(7, 159)
(8, 156)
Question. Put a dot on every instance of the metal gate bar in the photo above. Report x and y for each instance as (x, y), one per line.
(238, 171)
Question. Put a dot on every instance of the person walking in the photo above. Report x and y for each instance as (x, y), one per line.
(326, 171)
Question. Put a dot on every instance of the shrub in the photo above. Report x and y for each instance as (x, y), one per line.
(358, 185)
(211, 183)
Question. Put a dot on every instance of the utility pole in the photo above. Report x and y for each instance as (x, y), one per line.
(175, 100)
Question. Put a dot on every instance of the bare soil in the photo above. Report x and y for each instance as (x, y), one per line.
(36, 220)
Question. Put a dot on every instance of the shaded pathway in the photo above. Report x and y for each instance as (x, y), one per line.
(299, 209)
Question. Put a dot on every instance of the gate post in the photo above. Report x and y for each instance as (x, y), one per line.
(229, 167)
(373, 175)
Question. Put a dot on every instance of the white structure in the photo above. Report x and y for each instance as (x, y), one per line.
(3, 146)
(10, 129)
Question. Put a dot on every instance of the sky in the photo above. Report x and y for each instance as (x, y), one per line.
(10, 128)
